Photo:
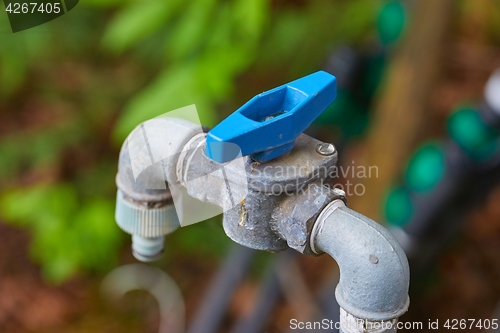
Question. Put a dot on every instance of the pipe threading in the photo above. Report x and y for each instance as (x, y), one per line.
(352, 324)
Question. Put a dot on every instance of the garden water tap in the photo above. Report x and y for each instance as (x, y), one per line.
(271, 182)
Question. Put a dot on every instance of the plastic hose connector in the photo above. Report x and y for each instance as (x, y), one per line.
(147, 249)
(145, 222)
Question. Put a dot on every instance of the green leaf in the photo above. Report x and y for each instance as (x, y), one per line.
(13, 69)
(105, 3)
(136, 21)
(358, 17)
(189, 33)
(174, 88)
(284, 38)
(46, 147)
(55, 248)
(67, 235)
(218, 67)
(22, 205)
(250, 17)
(97, 234)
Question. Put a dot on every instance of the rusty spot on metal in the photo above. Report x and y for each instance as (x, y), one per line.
(243, 214)
(254, 165)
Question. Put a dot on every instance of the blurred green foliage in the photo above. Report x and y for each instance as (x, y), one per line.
(143, 57)
(204, 46)
(68, 233)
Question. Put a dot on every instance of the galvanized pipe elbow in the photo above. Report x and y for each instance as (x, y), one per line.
(374, 272)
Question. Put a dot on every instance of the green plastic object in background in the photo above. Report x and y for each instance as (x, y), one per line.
(467, 129)
(374, 73)
(335, 113)
(426, 168)
(391, 22)
(398, 207)
(346, 114)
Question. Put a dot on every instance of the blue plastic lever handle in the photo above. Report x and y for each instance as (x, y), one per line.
(266, 126)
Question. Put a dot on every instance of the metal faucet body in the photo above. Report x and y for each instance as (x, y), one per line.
(267, 206)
